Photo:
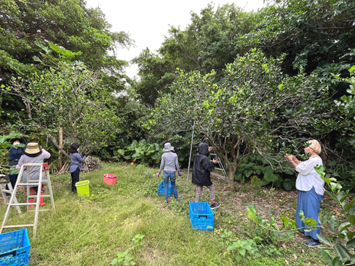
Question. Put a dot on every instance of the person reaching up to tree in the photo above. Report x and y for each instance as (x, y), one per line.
(201, 176)
(310, 188)
(75, 166)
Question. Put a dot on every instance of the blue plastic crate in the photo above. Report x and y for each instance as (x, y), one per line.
(201, 216)
(14, 248)
(161, 190)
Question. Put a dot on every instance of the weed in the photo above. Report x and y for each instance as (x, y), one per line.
(238, 248)
(149, 188)
(125, 257)
(267, 231)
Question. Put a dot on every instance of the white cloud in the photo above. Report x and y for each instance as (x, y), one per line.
(148, 22)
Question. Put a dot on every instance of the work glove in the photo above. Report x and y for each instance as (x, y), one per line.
(158, 174)
(179, 173)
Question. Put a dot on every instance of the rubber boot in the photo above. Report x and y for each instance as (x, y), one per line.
(31, 201)
(41, 203)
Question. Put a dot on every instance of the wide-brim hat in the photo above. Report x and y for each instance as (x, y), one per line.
(33, 149)
(168, 147)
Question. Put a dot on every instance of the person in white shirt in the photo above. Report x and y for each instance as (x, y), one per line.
(310, 188)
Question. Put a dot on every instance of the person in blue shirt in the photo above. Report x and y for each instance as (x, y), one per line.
(15, 154)
(75, 166)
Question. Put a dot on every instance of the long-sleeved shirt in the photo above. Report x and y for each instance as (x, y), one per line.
(169, 161)
(308, 177)
(35, 170)
(76, 161)
(15, 155)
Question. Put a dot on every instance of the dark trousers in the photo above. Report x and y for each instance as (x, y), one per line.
(74, 179)
(13, 179)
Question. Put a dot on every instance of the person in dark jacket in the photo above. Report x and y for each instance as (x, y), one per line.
(201, 174)
(75, 166)
(15, 154)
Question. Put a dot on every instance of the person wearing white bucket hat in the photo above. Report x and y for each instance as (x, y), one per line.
(34, 154)
(170, 163)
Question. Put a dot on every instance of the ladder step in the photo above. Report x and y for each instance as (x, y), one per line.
(17, 225)
(221, 176)
(23, 204)
(35, 196)
(219, 169)
(40, 210)
(29, 184)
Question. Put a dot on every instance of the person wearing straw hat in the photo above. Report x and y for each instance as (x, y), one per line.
(34, 154)
(170, 163)
(75, 166)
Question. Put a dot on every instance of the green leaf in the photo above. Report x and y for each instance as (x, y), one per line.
(114, 262)
(351, 219)
(326, 257)
(310, 222)
(333, 222)
(344, 226)
(242, 252)
(350, 204)
(342, 252)
(350, 244)
(350, 235)
(324, 240)
(336, 262)
(326, 218)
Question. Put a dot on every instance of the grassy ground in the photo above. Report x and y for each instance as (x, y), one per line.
(91, 231)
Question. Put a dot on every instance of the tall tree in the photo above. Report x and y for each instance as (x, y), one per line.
(254, 108)
(69, 24)
(208, 43)
(28, 26)
(314, 34)
(70, 99)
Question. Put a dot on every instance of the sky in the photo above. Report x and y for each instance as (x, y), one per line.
(148, 21)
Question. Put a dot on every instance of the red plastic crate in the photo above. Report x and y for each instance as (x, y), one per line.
(110, 179)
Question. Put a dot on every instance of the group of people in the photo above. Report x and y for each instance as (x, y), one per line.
(201, 174)
(34, 153)
(309, 184)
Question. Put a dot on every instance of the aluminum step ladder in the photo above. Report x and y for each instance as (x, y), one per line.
(4, 180)
(43, 170)
(220, 167)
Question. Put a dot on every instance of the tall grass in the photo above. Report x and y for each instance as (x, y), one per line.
(91, 231)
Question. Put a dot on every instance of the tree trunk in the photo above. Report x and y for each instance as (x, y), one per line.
(231, 172)
(60, 135)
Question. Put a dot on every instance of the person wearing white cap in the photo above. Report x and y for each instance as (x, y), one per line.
(170, 163)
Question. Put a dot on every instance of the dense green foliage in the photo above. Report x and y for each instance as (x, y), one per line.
(315, 40)
(252, 109)
(28, 26)
(245, 101)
